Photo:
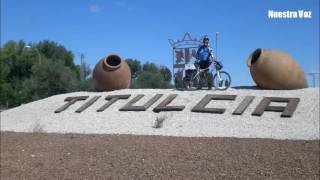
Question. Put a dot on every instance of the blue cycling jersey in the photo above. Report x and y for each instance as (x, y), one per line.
(204, 53)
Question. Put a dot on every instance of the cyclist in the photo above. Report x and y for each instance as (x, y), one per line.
(204, 60)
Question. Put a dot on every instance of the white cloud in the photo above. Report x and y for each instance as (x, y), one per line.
(94, 8)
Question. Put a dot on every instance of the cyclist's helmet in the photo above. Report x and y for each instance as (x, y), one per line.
(205, 38)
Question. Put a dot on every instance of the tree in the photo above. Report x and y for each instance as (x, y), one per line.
(25, 78)
(54, 51)
(47, 68)
(166, 73)
(48, 78)
(149, 79)
(153, 76)
(16, 66)
(135, 67)
(5, 87)
(150, 67)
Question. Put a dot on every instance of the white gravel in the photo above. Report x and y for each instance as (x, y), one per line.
(40, 116)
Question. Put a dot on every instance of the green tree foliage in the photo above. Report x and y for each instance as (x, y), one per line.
(135, 67)
(5, 87)
(166, 73)
(52, 50)
(149, 75)
(48, 78)
(33, 71)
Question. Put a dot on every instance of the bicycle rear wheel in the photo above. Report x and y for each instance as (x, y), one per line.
(221, 80)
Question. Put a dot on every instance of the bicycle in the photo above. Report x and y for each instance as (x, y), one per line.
(221, 80)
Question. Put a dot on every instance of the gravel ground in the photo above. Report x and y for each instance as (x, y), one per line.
(39, 116)
(74, 156)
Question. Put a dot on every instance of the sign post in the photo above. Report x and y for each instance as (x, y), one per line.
(184, 51)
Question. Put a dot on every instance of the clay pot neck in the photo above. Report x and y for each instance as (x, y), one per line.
(254, 57)
(111, 62)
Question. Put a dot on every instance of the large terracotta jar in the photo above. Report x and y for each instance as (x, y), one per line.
(111, 73)
(274, 69)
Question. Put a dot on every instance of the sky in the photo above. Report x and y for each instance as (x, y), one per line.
(140, 29)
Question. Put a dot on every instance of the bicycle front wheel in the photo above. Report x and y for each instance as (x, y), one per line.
(221, 80)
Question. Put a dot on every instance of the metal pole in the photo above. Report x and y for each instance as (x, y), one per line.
(173, 67)
(314, 76)
(83, 67)
(217, 33)
(314, 80)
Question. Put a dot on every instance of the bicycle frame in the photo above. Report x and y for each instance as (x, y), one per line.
(218, 74)
(202, 70)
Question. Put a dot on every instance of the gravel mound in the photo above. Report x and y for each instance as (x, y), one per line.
(39, 116)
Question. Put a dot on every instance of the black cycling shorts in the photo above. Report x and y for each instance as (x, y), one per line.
(204, 64)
